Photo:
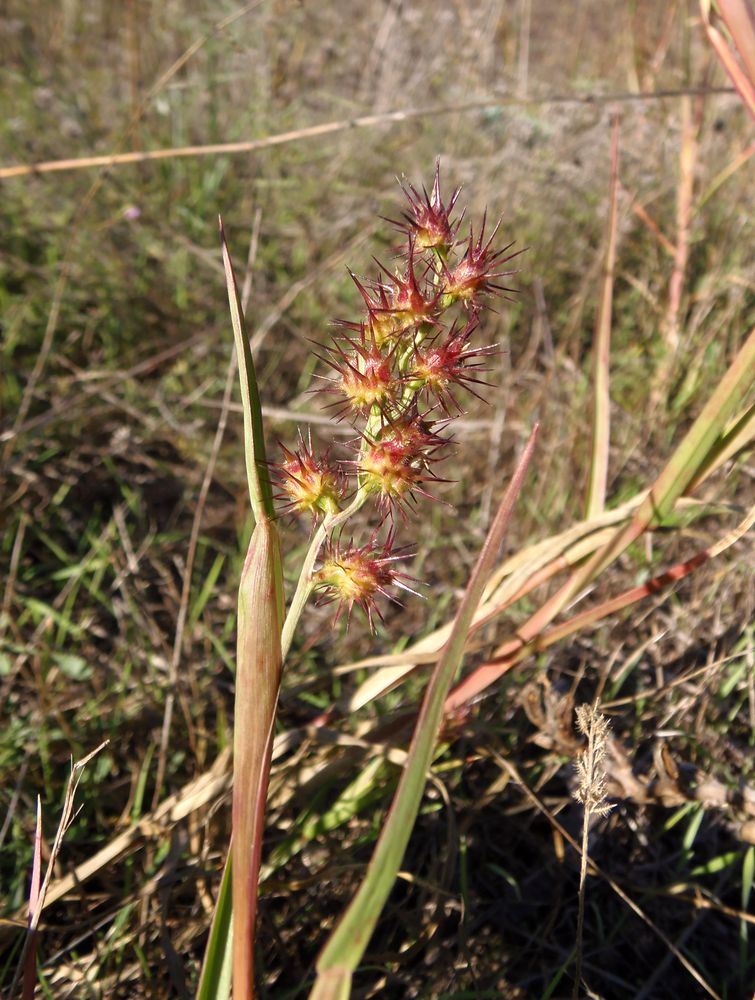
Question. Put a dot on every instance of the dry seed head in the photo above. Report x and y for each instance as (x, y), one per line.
(590, 771)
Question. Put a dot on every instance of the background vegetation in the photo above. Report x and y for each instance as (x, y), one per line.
(115, 349)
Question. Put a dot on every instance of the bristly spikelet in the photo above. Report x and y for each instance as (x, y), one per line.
(310, 485)
(395, 462)
(428, 218)
(356, 575)
(475, 275)
(445, 361)
(365, 375)
(397, 303)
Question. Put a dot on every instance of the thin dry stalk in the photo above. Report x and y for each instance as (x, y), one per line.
(692, 116)
(38, 893)
(601, 423)
(592, 794)
(342, 125)
(30, 965)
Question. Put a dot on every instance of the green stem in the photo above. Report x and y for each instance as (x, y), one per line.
(305, 585)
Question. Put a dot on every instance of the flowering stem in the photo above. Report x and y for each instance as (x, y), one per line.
(305, 585)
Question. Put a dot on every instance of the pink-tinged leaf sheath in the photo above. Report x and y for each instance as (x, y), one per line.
(258, 672)
(30, 963)
(738, 59)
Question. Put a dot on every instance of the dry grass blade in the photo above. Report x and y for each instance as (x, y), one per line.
(30, 964)
(681, 469)
(513, 651)
(739, 62)
(37, 898)
(601, 420)
(517, 576)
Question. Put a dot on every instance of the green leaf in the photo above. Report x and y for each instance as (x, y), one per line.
(215, 981)
(257, 472)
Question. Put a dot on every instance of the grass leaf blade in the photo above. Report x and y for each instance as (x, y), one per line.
(215, 980)
(257, 474)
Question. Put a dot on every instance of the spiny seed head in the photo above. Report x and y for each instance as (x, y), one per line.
(382, 324)
(397, 363)
(309, 483)
(387, 471)
(366, 375)
(475, 274)
(444, 362)
(396, 461)
(411, 436)
(353, 575)
(428, 219)
(409, 303)
(397, 303)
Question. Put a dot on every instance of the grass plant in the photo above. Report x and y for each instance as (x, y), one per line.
(393, 370)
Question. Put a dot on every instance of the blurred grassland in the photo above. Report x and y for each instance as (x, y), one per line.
(100, 480)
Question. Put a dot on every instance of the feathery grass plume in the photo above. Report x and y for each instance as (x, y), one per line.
(591, 792)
